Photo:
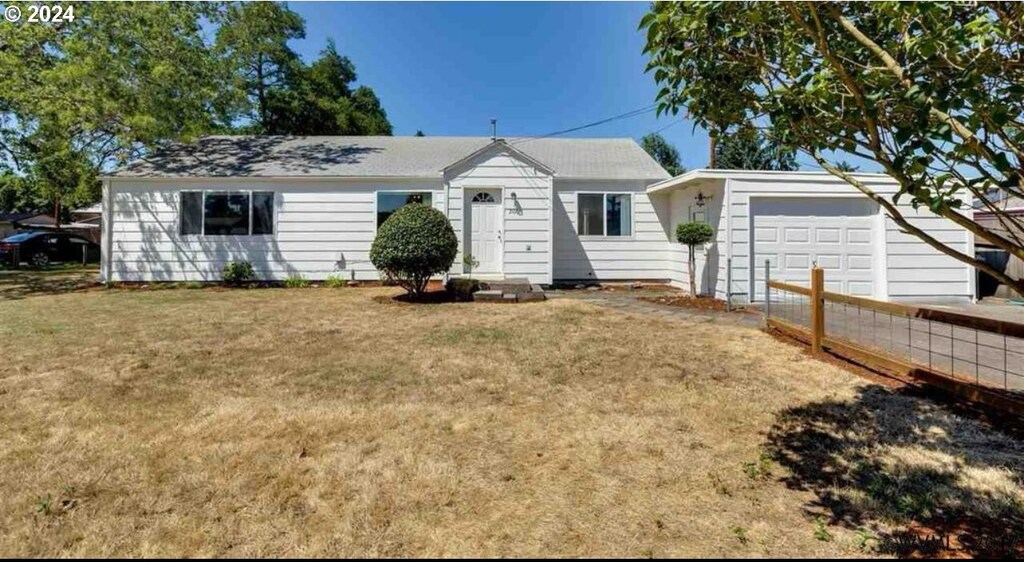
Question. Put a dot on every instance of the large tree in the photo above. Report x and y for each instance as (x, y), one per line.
(83, 95)
(663, 152)
(121, 79)
(932, 92)
(276, 93)
(253, 41)
(751, 150)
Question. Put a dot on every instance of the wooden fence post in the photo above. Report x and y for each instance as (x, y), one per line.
(817, 309)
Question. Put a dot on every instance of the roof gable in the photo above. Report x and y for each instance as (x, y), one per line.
(501, 147)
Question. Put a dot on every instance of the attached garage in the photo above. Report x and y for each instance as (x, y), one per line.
(839, 234)
(793, 220)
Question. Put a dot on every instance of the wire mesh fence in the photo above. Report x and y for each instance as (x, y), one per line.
(977, 351)
(791, 307)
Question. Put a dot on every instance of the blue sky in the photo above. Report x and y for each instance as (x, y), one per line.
(448, 68)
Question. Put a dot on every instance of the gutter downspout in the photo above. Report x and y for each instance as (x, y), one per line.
(727, 209)
(447, 214)
(106, 230)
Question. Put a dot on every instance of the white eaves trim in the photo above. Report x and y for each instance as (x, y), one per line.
(264, 178)
(718, 174)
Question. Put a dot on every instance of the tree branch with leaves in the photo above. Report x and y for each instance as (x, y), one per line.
(932, 92)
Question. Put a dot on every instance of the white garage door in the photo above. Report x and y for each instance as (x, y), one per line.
(794, 233)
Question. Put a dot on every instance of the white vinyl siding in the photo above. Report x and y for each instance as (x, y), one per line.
(640, 255)
(526, 211)
(321, 227)
(904, 267)
(709, 261)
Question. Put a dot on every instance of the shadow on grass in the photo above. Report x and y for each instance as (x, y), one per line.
(21, 283)
(920, 479)
(430, 297)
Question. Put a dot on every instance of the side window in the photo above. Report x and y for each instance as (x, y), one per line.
(390, 201)
(608, 214)
(590, 218)
(263, 212)
(191, 212)
(226, 213)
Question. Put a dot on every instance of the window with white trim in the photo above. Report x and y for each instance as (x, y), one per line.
(604, 214)
(390, 201)
(226, 213)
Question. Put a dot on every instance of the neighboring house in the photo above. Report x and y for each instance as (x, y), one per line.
(1012, 206)
(544, 209)
(90, 214)
(13, 222)
(87, 221)
(1010, 228)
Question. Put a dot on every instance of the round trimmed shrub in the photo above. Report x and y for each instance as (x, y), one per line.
(694, 233)
(414, 244)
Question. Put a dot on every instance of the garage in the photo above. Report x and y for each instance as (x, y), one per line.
(838, 234)
(795, 219)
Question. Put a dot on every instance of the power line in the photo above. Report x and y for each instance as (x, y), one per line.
(626, 115)
(670, 125)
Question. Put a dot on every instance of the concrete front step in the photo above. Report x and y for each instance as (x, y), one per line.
(510, 291)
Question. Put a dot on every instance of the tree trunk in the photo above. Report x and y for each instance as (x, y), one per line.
(693, 276)
(712, 143)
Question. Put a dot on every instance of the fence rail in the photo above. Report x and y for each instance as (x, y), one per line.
(982, 358)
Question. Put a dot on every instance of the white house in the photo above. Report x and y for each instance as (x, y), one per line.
(545, 209)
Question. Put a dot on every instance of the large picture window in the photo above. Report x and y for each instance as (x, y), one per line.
(227, 213)
(390, 201)
(604, 214)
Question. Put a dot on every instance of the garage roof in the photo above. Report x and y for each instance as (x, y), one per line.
(338, 156)
(689, 178)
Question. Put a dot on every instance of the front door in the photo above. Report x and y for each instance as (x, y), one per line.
(485, 230)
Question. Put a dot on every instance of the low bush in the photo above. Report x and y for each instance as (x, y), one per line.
(334, 281)
(462, 289)
(237, 272)
(296, 281)
(415, 243)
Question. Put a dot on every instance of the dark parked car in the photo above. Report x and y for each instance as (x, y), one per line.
(43, 247)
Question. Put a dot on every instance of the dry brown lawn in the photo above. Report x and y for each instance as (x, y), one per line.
(317, 422)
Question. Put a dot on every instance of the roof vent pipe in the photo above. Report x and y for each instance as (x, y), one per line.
(494, 130)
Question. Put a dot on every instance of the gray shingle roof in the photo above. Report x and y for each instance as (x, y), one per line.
(281, 156)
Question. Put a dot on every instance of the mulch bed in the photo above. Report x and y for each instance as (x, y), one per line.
(431, 297)
(699, 303)
(686, 301)
(640, 287)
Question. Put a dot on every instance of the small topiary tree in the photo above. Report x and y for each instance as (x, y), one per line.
(694, 234)
(470, 263)
(415, 243)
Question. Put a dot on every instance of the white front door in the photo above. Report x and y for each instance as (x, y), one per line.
(485, 230)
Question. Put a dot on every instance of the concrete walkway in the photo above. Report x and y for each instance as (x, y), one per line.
(630, 302)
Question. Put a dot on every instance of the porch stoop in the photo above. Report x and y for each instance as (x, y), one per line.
(510, 291)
